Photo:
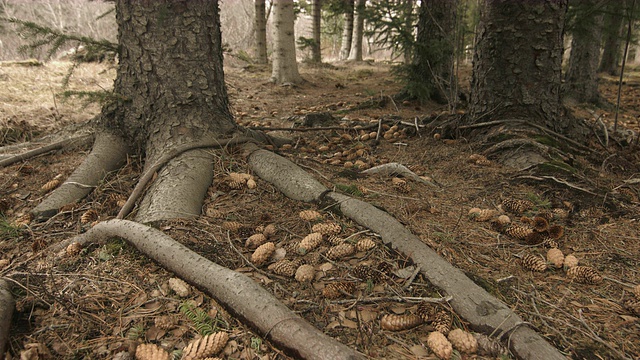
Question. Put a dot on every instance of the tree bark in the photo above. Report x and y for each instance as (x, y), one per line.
(613, 27)
(7, 304)
(581, 82)
(260, 23)
(517, 62)
(285, 65)
(316, 18)
(355, 53)
(434, 53)
(408, 25)
(171, 74)
(347, 30)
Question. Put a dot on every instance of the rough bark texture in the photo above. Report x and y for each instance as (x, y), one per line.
(471, 302)
(517, 62)
(581, 82)
(613, 26)
(408, 25)
(355, 53)
(285, 66)
(171, 74)
(244, 297)
(108, 154)
(316, 49)
(347, 30)
(7, 304)
(434, 53)
(260, 24)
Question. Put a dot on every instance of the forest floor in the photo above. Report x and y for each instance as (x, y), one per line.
(100, 302)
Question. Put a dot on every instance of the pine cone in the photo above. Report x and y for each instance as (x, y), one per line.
(335, 290)
(310, 242)
(364, 273)
(547, 215)
(180, 287)
(438, 343)
(560, 213)
(384, 269)
(426, 311)
(533, 263)
(305, 273)
(327, 228)
(50, 185)
(483, 214)
(231, 226)
(236, 185)
(503, 220)
(89, 216)
(251, 183)
(584, 275)
(151, 352)
(206, 346)
(518, 231)
(269, 230)
(340, 251)
(555, 257)
(395, 322)
(536, 238)
(165, 322)
(633, 305)
(310, 215)
(489, 346)
(570, 261)
(263, 253)
(400, 185)
(549, 243)
(335, 240)
(555, 231)
(255, 240)
(463, 341)
(442, 321)
(284, 267)
(74, 249)
(516, 206)
(365, 244)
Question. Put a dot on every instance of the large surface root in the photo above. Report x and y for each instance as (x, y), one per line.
(240, 294)
(108, 154)
(486, 313)
(7, 304)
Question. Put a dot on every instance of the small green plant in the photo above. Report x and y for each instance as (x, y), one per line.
(204, 324)
(350, 189)
(256, 343)
(8, 230)
(539, 202)
(136, 332)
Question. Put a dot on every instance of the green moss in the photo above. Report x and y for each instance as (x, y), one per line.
(556, 166)
(349, 189)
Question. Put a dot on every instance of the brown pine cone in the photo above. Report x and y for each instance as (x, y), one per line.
(310, 215)
(540, 223)
(570, 261)
(263, 253)
(426, 311)
(555, 257)
(555, 231)
(584, 275)
(205, 346)
(533, 263)
(364, 273)
(463, 341)
(310, 242)
(255, 240)
(284, 267)
(151, 352)
(518, 231)
(305, 273)
(327, 228)
(481, 215)
(340, 251)
(335, 240)
(516, 206)
(442, 321)
(365, 244)
(395, 322)
(440, 345)
(384, 269)
(336, 290)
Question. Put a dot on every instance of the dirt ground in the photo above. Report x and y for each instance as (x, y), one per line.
(101, 301)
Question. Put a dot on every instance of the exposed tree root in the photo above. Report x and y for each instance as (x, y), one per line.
(485, 313)
(108, 154)
(77, 141)
(7, 304)
(245, 298)
(398, 169)
(149, 173)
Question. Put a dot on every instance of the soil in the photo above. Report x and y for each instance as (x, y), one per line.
(101, 301)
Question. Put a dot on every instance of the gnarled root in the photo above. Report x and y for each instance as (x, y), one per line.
(108, 154)
(7, 304)
(241, 295)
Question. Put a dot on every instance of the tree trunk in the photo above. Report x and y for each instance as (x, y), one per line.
(613, 27)
(408, 25)
(355, 53)
(517, 62)
(316, 49)
(285, 65)
(434, 53)
(171, 76)
(347, 30)
(581, 82)
(261, 32)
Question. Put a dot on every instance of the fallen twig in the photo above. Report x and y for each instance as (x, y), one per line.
(399, 299)
(80, 140)
(559, 181)
(398, 169)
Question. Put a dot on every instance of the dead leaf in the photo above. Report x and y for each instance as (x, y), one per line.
(326, 267)
(405, 273)
(419, 351)
(154, 333)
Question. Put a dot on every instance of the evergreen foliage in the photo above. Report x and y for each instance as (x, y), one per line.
(204, 324)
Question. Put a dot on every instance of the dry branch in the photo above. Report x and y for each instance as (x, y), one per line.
(78, 141)
(244, 297)
(7, 304)
(485, 313)
(398, 169)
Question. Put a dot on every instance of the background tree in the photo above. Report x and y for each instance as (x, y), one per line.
(612, 37)
(581, 80)
(347, 31)
(355, 53)
(316, 22)
(285, 66)
(260, 25)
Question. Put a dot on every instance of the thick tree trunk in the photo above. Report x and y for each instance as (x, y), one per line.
(355, 53)
(613, 26)
(316, 49)
(7, 304)
(434, 53)
(517, 62)
(260, 25)
(347, 30)
(408, 25)
(171, 75)
(581, 82)
(285, 65)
